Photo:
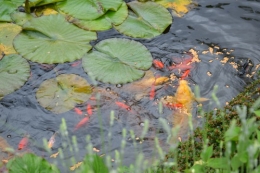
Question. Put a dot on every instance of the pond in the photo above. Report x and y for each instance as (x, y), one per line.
(223, 35)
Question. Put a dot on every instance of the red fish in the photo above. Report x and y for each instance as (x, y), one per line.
(81, 123)
(122, 105)
(152, 92)
(78, 111)
(89, 109)
(158, 64)
(180, 67)
(23, 143)
(187, 61)
(174, 105)
(185, 74)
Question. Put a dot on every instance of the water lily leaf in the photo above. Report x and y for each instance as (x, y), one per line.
(117, 61)
(89, 9)
(20, 18)
(44, 2)
(7, 33)
(30, 163)
(7, 7)
(104, 22)
(63, 93)
(14, 71)
(51, 39)
(146, 21)
(179, 6)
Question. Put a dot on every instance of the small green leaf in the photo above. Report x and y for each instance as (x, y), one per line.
(207, 153)
(117, 61)
(235, 162)
(51, 39)
(62, 93)
(30, 163)
(218, 163)
(257, 112)
(197, 168)
(93, 164)
(233, 132)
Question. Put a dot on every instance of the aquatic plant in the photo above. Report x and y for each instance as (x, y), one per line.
(117, 61)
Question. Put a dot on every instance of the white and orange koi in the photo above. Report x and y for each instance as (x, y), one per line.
(52, 140)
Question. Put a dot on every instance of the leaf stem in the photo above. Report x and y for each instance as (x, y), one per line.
(27, 7)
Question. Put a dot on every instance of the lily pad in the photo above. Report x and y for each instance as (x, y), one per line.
(36, 3)
(117, 61)
(104, 22)
(146, 20)
(63, 93)
(7, 33)
(14, 72)
(51, 39)
(89, 9)
(179, 6)
(30, 163)
(7, 7)
(21, 18)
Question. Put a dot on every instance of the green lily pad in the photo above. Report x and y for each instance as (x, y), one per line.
(63, 93)
(7, 33)
(36, 3)
(51, 39)
(14, 72)
(30, 163)
(20, 18)
(89, 9)
(146, 21)
(7, 7)
(104, 22)
(117, 61)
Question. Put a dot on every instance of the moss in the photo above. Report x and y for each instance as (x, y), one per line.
(215, 126)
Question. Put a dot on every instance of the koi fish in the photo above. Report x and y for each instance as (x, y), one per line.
(152, 92)
(78, 111)
(81, 123)
(158, 64)
(161, 80)
(174, 105)
(180, 67)
(51, 140)
(23, 143)
(185, 74)
(122, 105)
(187, 61)
(89, 109)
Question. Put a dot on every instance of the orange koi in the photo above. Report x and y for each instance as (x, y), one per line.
(152, 92)
(122, 105)
(185, 74)
(81, 123)
(174, 105)
(78, 111)
(89, 109)
(51, 140)
(23, 143)
(158, 64)
(180, 67)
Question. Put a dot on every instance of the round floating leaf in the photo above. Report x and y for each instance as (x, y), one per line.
(51, 39)
(7, 7)
(14, 72)
(89, 9)
(7, 33)
(63, 93)
(146, 21)
(117, 61)
(30, 163)
(20, 18)
(104, 22)
(179, 6)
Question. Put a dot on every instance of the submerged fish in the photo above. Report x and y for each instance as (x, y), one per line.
(52, 140)
(23, 143)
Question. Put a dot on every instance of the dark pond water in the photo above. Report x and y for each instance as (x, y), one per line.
(230, 28)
